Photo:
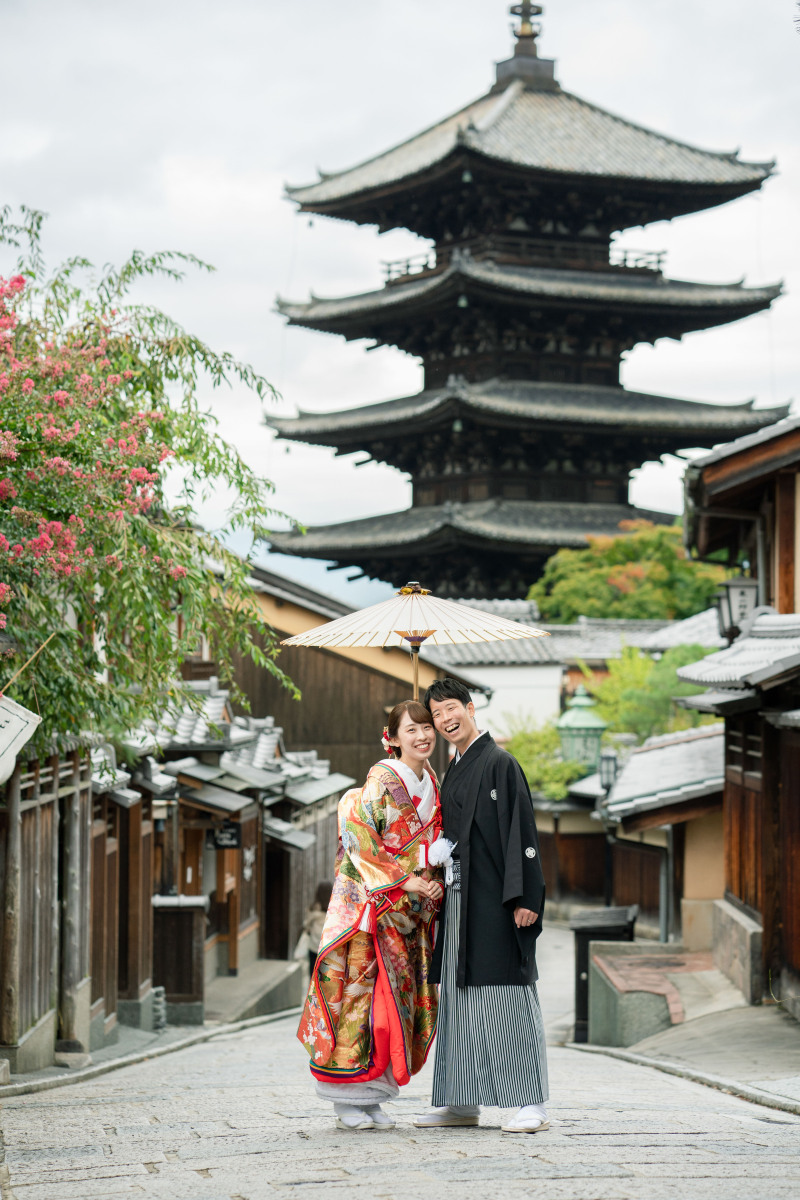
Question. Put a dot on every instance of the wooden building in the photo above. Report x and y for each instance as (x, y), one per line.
(520, 309)
(743, 498)
(665, 814)
(75, 944)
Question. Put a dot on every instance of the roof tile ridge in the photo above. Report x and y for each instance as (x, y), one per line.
(414, 286)
(730, 155)
(327, 176)
(493, 114)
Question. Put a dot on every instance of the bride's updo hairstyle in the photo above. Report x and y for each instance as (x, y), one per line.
(418, 713)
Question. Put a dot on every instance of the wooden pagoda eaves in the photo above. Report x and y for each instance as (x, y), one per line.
(490, 548)
(660, 307)
(533, 141)
(520, 405)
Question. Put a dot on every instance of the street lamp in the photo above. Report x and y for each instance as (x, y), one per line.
(735, 603)
(609, 765)
(581, 730)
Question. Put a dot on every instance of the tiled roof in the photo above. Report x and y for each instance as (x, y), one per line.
(527, 522)
(526, 611)
(700, 630)
(668, 770)
(530, 400)
(772, 431)
(597, 639)
(769, 649)
(523, 653)
(647, 291)
(546, 131)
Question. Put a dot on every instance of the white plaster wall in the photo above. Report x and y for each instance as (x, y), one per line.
(523, 696)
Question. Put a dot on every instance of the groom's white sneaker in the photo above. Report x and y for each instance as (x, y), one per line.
(530, 1119)
(451, 1116)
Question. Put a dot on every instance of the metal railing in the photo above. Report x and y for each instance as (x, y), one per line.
(506, 250)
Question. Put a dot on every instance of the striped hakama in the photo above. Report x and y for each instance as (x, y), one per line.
(490, 1043)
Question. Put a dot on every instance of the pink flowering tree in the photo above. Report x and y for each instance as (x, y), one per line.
(99, 409)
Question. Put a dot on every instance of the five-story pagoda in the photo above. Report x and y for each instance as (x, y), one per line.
(523, 439)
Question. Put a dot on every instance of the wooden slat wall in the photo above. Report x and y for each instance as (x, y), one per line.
(341, 714)
(636, 875)
(742, 815)
(37, 896)
(290, 879)
(790, 846)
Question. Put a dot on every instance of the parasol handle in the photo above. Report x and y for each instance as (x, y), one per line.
(415, 670)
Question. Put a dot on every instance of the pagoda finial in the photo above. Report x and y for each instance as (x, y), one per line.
(535, 73)
(528, 32)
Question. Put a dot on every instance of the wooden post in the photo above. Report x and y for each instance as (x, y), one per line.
(785, 519)
(71, 930)
(55, 927)
(36, 951)
(9, 1010)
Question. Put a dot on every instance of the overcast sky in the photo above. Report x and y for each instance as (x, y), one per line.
(174, 125)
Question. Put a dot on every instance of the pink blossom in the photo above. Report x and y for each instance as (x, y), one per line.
(8, 444)
(7, 491)
(177, 572)
(27, 386)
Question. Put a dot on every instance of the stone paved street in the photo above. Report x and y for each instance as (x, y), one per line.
(235, 1119)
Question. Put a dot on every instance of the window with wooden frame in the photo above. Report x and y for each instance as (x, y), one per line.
(744, 751)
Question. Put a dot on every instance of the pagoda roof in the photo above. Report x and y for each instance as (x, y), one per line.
(502, 526)
(547, 132)
(517, 402)
(643, 292)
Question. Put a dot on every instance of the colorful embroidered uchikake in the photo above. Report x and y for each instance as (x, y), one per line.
(369, 1003)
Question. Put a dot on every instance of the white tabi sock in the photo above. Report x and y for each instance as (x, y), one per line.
(351, 1114)
(532, 1112)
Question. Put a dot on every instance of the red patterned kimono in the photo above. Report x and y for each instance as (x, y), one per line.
(370, 1003)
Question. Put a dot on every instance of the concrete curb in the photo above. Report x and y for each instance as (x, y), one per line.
(754, 1095)
(130, 1060)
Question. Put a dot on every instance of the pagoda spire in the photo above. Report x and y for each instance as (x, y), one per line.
(536, 73)
(528, 32)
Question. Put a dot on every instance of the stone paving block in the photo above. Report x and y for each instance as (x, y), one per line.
(192, 1127)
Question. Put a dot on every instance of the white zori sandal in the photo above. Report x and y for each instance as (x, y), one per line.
(530, 1119)
(352, 1118)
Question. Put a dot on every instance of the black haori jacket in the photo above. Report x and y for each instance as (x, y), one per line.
(500, 868)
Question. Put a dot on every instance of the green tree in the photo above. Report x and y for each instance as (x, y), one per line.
(643, 572)
(637, 694)
(538, 752)
(100, 420)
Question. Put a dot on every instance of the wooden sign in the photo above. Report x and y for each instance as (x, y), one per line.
(228, 835)
(17, 726)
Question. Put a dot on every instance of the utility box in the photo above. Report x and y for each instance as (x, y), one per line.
(596, 925)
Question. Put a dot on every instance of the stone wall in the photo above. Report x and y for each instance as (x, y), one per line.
(736, 946)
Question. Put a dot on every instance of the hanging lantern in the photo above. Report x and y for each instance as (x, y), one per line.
(581, 730)
(735, 603)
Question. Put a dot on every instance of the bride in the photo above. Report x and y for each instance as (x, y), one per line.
(370, 1014)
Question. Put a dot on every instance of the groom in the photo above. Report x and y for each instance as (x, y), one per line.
(490, 1047)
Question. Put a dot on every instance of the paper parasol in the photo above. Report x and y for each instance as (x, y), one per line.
(414, 616)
